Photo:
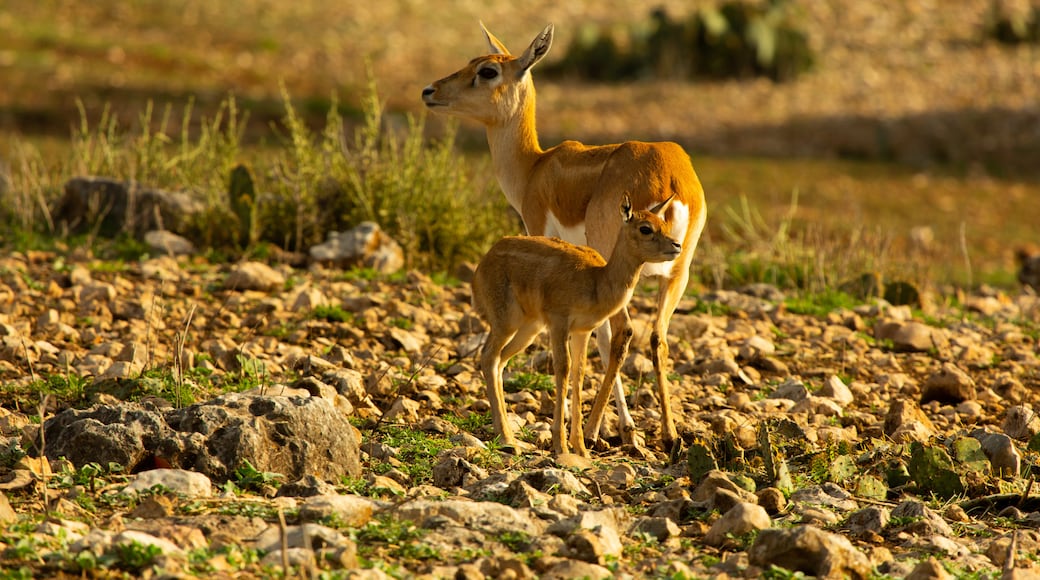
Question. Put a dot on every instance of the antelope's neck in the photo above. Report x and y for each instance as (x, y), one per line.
(513, 142)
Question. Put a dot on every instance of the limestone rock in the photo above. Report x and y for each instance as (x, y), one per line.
(291, 436)
(254, 276)
(167, 243)
(949, 385)
(120, 206)
(741, 519)
(810, 550)
(367, 246)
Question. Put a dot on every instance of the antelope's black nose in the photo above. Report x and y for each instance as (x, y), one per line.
(427, 91)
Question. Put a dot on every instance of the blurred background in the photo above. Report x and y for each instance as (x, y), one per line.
(917, 81)
(898, 114)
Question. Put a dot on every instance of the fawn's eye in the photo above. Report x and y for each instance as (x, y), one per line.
(487, 73)
(646, 230)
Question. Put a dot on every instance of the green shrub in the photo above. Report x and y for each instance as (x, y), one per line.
(1011, 26)
(738, 39)
(420, 191)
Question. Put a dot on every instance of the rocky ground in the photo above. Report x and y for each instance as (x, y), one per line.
(861, 441)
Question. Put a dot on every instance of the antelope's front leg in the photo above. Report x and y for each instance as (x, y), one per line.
(619, 344)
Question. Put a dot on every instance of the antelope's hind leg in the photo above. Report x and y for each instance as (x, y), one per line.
(669, 294)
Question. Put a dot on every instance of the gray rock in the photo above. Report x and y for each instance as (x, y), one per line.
(715, 480)
(115, 207)
(254, 276)
(826, 495)
(7, 513)
(905, 421)
(291, 436)
(348, 382)
(772, 500)
(929, 569)
(307, 486)
(834, 388)
(741, 519)
(949, 385)
(661, 529)
(348, 510)
(792, 390)
(603, 523)
(923, 521)
(869, 520)
(367, 245)
(589, 546)
(1021, 422)
(491, 517)
(810, 550)
(910, 336)
(569, 569)
(128, 537)
(308, 536)
(1000, 449)
(167, 243)
(451, 471)
(180, 481)
(556, 480)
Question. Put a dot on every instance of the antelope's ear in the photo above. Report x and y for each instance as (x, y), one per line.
(539, 48)
(494, 45)
(660, 208)
(626, 209)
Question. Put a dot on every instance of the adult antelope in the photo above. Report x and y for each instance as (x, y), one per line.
(573, 190)
(525, 284)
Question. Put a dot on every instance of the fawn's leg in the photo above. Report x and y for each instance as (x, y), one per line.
(491, 365)
(579, 344)
(562, 364)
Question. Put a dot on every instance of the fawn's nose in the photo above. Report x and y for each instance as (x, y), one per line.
(427, 91)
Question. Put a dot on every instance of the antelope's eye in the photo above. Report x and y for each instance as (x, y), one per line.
(487, 73)
(646, 230)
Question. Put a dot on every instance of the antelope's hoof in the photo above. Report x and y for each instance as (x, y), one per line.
(516, 447)
(675, 449)
(632, 436)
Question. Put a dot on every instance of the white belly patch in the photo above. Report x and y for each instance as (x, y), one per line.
(574, 234)
(680, 223)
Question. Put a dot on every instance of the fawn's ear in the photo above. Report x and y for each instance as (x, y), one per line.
(626, 209)
(494, 45)
(660, 208)
(539, 48)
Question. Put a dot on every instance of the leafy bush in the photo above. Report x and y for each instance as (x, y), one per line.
(420, 191)
(738, 39)
(1011, 26)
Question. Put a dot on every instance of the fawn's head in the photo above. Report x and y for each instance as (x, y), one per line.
(646, 233)
(492, 87)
